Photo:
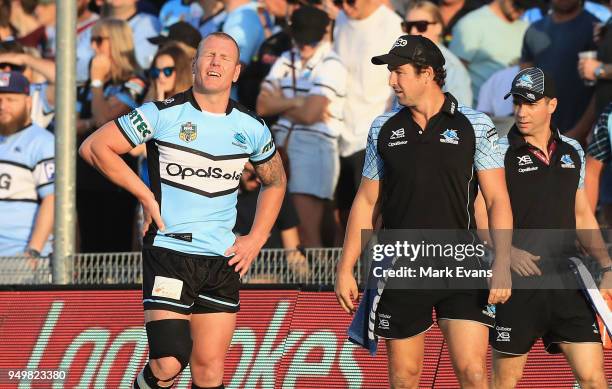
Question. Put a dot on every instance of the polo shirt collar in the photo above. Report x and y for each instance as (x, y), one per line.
(450, 104)
(516, 140)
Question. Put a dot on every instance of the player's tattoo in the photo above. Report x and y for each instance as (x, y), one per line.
(271, 173)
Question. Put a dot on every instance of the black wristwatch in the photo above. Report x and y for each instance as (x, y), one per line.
(32, 252)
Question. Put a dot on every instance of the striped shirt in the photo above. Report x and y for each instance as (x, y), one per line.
(600, 148)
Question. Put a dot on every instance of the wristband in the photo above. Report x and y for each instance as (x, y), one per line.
(32, 252)
(599, 71)
(96, 84)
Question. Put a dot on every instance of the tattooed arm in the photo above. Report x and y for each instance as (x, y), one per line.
(245, 248)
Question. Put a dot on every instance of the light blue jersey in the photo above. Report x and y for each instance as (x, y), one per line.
(195, 162)
(27, 173)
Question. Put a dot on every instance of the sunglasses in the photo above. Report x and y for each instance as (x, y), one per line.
(12, 67)
(339, 3)
(421, 25)
(155, 72)
(98, 39)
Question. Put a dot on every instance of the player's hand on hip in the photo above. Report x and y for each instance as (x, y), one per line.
(151, 213)
(346, 290)
(500, 284)
(244, 251)
(524, 263)
(605, 286)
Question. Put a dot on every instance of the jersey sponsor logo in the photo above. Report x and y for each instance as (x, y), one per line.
(400, 43)
(49, 169)
(567, 162)
(139, 123)
(167, 287)
(268, 146)
(169, 100)
(188, 132)
(489, 310)
(396, 134)
(5, 181)
(186, 236)
(450, 136)
(528, 169)
(239, 140)
(398, 143)
(383, 324)
(524, 160)
(503, 334)
(524, 81)
(176, 170)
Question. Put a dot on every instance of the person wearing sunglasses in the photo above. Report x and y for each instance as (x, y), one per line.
(170, 73)
(423, 18)
(306, 87)
(106, 213)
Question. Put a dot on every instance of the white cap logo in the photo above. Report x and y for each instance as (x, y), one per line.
(400, 43)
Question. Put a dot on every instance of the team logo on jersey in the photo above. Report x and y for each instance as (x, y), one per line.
(239, 140)
(524, 81)
(450, 136)
(567, 162)
(189, 132)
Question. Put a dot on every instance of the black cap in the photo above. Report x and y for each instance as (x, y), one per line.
(14, 82)
(308, 25)
(532, 84)
(179, 32)
(410, 49)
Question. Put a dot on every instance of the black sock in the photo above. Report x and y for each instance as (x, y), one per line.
(194, 386)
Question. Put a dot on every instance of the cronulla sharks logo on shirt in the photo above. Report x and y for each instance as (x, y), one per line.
(450, 136)
(189, 132)
(239, 140)
(567, 162)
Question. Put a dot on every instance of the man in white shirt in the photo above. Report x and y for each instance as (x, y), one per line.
(364, 28)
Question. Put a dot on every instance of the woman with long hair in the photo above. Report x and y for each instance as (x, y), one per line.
(115, 86)
(170, 73)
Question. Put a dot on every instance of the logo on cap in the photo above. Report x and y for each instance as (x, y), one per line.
(400, 43)
(5, 79)
(524, 81)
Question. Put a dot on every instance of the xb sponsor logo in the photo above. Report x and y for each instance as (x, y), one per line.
(450, 136)
(189, 132)
(503, 334)
(176, 170)
(396, 134)
(489, 310)
(383, 321)
(567, 162)
(239, 140)
(524, 160)
(139, 123)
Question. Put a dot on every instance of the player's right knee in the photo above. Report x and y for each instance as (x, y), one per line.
(170, 338)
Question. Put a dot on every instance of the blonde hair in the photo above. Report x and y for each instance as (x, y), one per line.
(429, 7)
(122, 56)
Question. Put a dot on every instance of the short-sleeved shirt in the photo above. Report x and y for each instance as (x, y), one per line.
(175, 11)
(603, 88)
(487, 43)
(554, 48)
(323, 75)
(429, 175)
(243, 24)
(195, 160)
(600, 147)
(27, 174)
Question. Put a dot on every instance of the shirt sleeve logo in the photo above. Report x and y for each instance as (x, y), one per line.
(189, 132)
(139, 123)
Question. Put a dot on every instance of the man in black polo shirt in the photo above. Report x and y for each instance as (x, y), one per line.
(422, 166)
(545, 178)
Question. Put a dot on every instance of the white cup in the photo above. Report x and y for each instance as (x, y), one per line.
(591, 54)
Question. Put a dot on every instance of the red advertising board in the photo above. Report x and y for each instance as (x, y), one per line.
(284, 339)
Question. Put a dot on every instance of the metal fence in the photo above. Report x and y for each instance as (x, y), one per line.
(272, 266)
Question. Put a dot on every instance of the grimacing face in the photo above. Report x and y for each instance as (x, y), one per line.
(216, 66)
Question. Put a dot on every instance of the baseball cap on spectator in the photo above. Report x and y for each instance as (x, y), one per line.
(308, 25)
(409, 49)
(14, 82)
(179, 32)
(532, 84)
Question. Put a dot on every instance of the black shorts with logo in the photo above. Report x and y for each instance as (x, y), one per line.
(403, 313)
(556, 316)
(187, 283)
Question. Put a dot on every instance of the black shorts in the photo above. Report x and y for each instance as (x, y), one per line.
(186, 283)
(351, 169)
(556, 316)
(403, 313)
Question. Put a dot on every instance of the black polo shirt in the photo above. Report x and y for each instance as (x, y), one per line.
(543, 196)
(429, 175)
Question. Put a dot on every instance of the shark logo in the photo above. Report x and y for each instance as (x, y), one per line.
(239, 140)
(450, 136)
(567, 162)
(524, 81)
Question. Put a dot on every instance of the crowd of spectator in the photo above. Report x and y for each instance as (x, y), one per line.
(306, 70)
